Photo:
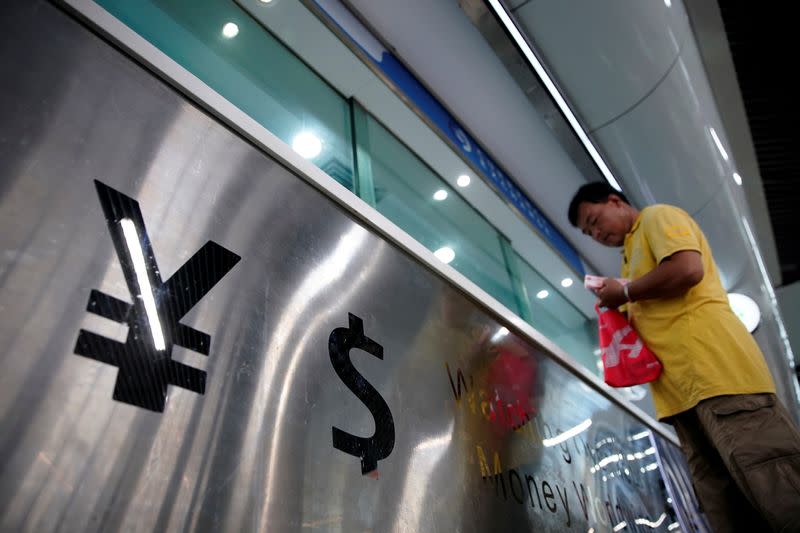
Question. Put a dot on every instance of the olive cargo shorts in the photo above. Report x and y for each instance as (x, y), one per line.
(744, 456)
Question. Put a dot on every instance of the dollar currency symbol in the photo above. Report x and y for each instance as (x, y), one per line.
(380, 445)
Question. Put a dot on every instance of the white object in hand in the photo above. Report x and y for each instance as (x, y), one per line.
(595, 282)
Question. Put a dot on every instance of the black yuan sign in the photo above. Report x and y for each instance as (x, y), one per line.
(145, 360)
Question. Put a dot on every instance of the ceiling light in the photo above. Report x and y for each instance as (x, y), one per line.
(737, 178)
(440, 195)
(542, 294)
(566, 282)
(523, 45)
(269, 1)
(230, 30)
(719, 144)
(445, 254)
(307, 144)
(463, 180)
(746, 309)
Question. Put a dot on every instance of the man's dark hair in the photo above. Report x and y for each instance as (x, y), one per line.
(594, 193)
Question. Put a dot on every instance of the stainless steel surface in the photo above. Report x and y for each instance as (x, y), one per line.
(255, 449)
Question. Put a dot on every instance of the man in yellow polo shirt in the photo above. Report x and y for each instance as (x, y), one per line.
(715, 389)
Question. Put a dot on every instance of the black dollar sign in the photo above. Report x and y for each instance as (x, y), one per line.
(380, 445)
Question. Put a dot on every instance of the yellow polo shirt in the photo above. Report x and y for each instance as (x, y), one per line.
(704, 347)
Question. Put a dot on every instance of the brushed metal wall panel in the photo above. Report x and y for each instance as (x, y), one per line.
(148, 249)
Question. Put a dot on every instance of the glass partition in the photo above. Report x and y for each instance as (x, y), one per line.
(415, 198)
(556, 318)
(231, 52)
(223, 46)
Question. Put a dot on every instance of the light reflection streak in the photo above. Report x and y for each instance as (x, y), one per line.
(330, 271)
(642, 435)
(568, 434)
(145, 290)
(652, 525)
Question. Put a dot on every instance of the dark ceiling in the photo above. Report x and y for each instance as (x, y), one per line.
(763, 40)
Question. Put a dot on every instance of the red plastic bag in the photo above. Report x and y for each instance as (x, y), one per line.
(626, 360)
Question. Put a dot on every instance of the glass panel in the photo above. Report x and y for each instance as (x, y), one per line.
(415, 198)
(258, 74)
(251, 69)
(557, 319)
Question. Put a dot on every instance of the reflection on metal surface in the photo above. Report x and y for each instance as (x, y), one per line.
(470, 410)
(145, 290)
(558, 439)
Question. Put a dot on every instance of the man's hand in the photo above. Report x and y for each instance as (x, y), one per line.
(611, 294)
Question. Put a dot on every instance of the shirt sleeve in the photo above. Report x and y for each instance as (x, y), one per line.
(670, 230)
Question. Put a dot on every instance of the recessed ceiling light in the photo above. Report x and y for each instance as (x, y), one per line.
(440, 195)
(307, 144)
(746, 309)
(463, 180)
(542, 294)
(230, 30)
(566, 282)
(445, 254)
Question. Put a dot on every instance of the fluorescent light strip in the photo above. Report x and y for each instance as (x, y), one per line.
(568, 434)
(551, 87)
(719, 144)
(135, 250)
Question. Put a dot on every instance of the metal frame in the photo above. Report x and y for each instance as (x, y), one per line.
(212, 102)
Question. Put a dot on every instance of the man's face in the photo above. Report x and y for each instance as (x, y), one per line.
(607, 223)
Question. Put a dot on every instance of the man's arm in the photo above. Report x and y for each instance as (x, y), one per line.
(674, 276)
